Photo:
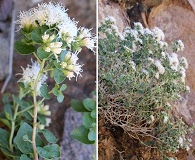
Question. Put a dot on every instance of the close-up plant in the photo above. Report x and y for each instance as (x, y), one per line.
(55, 41)
(140, 78)
(86, 133)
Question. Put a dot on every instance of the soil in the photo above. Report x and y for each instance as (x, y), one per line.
(115, 144)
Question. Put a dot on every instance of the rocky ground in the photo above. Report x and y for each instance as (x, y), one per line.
(62, 116)
(176, 19)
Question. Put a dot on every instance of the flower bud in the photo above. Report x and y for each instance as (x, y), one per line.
(63, 64)
(45, 37)
(56, 50)
(58, 44)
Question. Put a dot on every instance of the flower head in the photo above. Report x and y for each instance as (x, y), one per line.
(158, 33)
(30, 74)
(161, 69)
(70, 66)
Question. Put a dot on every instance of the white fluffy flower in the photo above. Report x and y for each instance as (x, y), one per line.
(188, 88)
(179, 45)
(139, 26)
(84, 32)
(45, 14)
(110, 18)
(145, 72)
(183, 74)
(158, 33)
(150, 60)
(26, 20)
(148, 31)
(68, 29)
(161, 69)
(50, 14)
(133, 65)
(89, 43)
(174, 62)
(165, 118)
(30, 74)
(163, 54)
(162, 44)
(181, 141)
(184, 61)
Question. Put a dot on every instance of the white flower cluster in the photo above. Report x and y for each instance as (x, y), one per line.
(50, 46)
(54, 15)
(156, 57)
(70, 65)
(30, 74)
(61, 34)
(44, 110)
(113, 26)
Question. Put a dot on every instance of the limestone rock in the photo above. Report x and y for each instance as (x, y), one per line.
(108, 8)
(72, 149)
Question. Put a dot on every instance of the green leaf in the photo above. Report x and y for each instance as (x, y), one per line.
(88, 120)
(8, 111)
(44, 91)
(55, 91)
(49, 136)
(63, 87)
(25, 146)
(22, 103)
(6, 122)
(23, 48)
(5, 98)
(81, 134)
(60, 97)
(78, 106)
(92, 135)
(8, 153)
(41, 119)
(44, 28)
(49, 152)
(89, 103)
(57, 64)
(42, 54)
(59, 76)
(24, 157)
(37, 35)
(93, 114)
(4, 138)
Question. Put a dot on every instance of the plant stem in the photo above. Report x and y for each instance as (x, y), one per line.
(21, 95)
(13, 128)
(35, 111)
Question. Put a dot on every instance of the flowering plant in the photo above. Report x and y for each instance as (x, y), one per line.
(141, 77)
(55, 41)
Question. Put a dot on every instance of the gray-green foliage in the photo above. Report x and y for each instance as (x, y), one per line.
(139, 75)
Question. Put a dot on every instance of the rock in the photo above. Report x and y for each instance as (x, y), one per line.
(72, 149)
(192, 3)
(4, 57)
(177, 22)
(5, 9)
(108, 8)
